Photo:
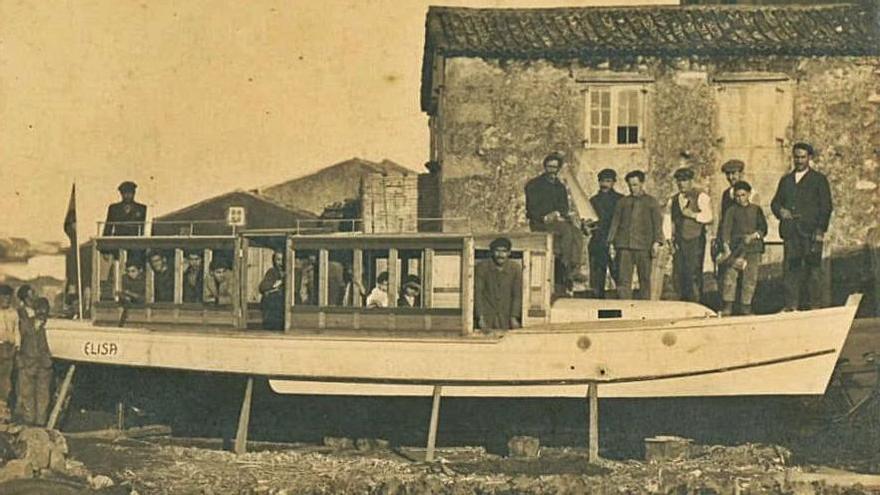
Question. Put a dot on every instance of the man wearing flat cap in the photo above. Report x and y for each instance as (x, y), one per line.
(604, 202)
(127, 217)
(691, 212)
(498, 289)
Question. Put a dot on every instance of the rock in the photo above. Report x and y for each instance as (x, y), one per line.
(7, 449)
(37, 446)
(365, 444)
(16, 469)
(523, 447)
(874, 98)
(339, 443)
(58, 454)
(99, 482)
(662, 448)
(76, 469)
(866, 185)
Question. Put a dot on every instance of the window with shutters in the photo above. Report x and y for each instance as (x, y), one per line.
(615, 116)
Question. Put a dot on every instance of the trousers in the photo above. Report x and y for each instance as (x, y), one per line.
(747, 279)
(32, 402)
(802, 272)
(640, 259)
(600, 260)
(688, 267)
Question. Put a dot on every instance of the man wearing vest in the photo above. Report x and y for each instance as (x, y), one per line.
(691, 212)
(802, 204)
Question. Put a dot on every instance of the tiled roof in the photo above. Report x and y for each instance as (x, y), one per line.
(725, 30)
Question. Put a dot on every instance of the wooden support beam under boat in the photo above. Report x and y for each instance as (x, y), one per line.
(244, 418)
(593, 411)
(63, 392)
(432, 426)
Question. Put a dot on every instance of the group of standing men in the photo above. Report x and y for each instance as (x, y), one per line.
(628, 235)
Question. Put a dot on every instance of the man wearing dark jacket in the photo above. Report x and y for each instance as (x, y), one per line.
(498, 290)
(127, 216)
(548, 210)
(604, 202)
(802, 204)
(636, 235)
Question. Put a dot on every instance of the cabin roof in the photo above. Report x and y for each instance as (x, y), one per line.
(585, 32)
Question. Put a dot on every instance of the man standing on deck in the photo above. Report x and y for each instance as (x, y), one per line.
(10, 343)
(604, 202)
(272, 294)
(802, 204)
(635, 236)
(127, 217)
(498, 290)
(548, 210)
(691, 212)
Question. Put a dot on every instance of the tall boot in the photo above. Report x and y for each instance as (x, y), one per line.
(747, 309)
(727, 310)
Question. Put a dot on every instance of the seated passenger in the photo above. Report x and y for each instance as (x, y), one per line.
(163, 278)
(378, 297)
(409, 294)
(354, 292)
(498, 289)
(306, 280)
(272, 292)
(134, 285)
(193, 278)
(219, 289)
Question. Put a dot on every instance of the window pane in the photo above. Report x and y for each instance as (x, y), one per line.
(606, 118)
(627, 134)
(606, 136)
(305, 277)
(342, 288)
(595, 135)
(446, 274)
(595, 99)
(634, 110)
(410, 286)
(606, 99)
(621, 135)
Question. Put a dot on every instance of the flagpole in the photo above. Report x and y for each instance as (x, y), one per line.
(74, 244)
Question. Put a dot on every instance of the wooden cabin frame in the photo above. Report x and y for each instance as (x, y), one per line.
(445, 309)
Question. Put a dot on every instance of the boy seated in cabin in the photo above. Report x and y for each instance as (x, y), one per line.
(219, 288)
(409, 294)
(742, 236)
(378, 297)
(163, 277)
(193, 278)
(134, 285)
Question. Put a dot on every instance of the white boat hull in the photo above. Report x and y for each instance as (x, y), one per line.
(782, 354)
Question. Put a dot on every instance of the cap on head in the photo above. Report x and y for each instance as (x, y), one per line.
(501, 242)
(555, 156)
(127, 186)
(607, 174)
(412, 281)
(804, 146)
(683, 174)
(742, 186)
(733, 166)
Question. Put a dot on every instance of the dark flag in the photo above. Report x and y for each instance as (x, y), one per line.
(70, 218)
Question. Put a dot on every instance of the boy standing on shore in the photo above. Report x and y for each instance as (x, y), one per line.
(742, 235)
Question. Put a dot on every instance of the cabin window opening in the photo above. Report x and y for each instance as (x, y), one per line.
(411, 264)
(343, 287)
(193, 276)
(615, 116)
(160, 274)
(377, 278)
(446, 279)
(219, 283)
(306, 271)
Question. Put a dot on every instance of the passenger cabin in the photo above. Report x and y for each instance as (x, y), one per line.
(228, 281)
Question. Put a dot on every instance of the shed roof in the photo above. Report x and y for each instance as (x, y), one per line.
(582, 32)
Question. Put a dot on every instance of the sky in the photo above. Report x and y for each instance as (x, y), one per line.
(191, 98)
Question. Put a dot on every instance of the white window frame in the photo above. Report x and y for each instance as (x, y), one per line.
(615, 90)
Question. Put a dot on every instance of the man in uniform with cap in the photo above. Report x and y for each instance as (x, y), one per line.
(498, 289)
(604, 202)
(691, 212)
(127, 217)
(802, 204)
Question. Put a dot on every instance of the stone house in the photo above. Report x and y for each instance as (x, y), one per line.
(653, 88)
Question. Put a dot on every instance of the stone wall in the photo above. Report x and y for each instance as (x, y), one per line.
(498, 119)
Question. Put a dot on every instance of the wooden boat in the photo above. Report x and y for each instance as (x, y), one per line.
(628, 348)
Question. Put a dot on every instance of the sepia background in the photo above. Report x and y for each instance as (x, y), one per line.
(193, 99)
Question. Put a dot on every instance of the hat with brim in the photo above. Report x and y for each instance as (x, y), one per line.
(683, 174)
(500, 243)
(413, 282)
